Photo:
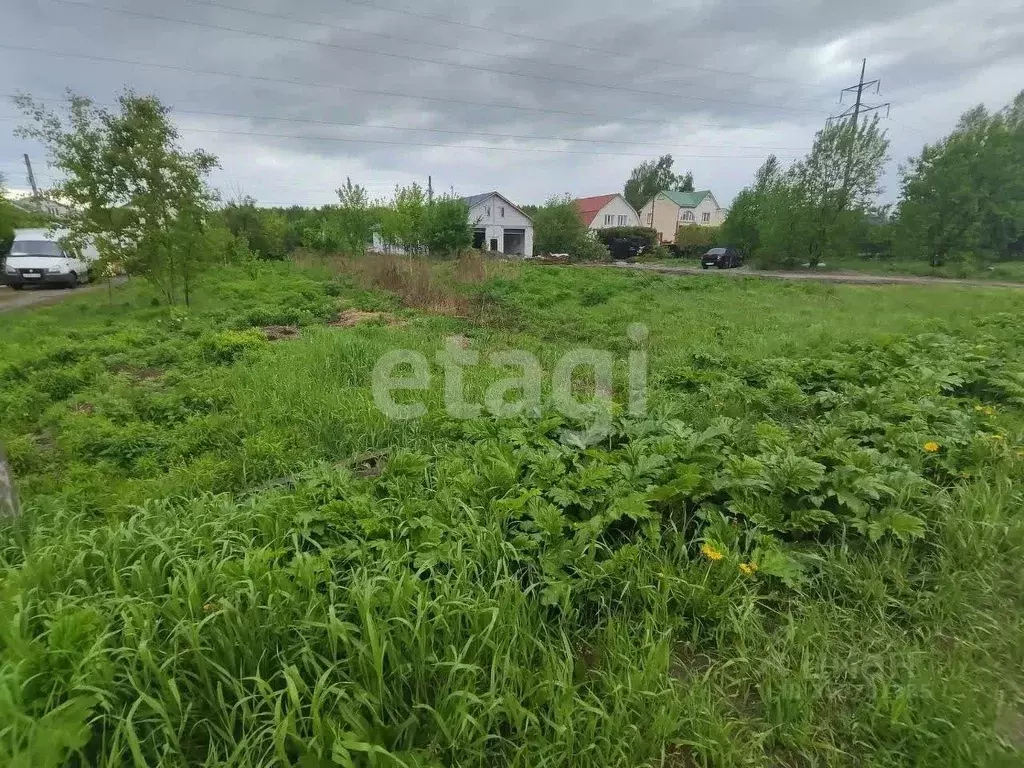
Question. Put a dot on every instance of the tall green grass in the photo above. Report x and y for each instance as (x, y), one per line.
(230, 557)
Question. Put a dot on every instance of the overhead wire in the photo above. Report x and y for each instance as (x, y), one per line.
(354, 89)
(569, 44)
(486, 134)
(415, 41)
(425, 60)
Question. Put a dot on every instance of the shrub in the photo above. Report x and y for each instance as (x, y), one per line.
(227, 346)
(694, 241)
(559, 229)
(628, 242)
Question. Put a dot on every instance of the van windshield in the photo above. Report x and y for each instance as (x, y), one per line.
(35, 248)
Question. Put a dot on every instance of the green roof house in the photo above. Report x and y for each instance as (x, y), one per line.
(669, 210)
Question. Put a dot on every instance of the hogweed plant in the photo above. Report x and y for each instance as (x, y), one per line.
(403, 370)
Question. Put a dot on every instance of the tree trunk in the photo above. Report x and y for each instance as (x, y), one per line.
(8, 495)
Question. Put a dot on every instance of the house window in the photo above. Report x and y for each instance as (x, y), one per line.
(609, 219)
(622, 221)
(688, 216)
(650, 218)
(706, 218)
(503, 211)
(487, 210)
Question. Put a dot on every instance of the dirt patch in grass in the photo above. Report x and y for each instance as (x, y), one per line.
(351, 317)
(367, 465)
(438, 286)
(139, 374)
(281, 332)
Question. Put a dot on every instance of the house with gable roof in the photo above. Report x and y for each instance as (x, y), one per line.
(499, 225)
(606, 211)
(669, 210)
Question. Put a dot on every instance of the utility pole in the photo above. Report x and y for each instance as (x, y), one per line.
(31, 176)
(430, 190)
(859, 107)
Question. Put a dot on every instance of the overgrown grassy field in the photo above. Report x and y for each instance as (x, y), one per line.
(808, 552)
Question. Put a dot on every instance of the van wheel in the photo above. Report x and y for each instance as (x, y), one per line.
(72, 281)
(17, 287)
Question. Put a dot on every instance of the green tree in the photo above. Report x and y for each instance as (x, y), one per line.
(6, 219)
(557, 228)
(654, 176)
(964, 195)
(837, 182)
(446, 230)
(815, 207)
(263, 229)
(746, 219)
(410, 217)
(355, 218)
(127, 182)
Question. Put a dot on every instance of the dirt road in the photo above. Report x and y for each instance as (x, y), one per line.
(825, 277)
(32, 297)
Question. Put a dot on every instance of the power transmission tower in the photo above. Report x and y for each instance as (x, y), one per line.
(859, 107)
(31, 176)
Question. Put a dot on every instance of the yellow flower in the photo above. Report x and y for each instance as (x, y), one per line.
(990, 411)
(978, 408)
(932, 447)
(209, 607)
(711, 553)
(748, 569)
(998, 437)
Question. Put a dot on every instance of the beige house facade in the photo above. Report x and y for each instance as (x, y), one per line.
(669, 210)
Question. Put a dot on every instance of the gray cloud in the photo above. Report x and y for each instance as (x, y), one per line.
(713, 82)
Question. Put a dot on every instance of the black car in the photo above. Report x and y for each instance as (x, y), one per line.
(723, 258)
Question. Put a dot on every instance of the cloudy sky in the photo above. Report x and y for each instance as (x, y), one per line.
(531, 97)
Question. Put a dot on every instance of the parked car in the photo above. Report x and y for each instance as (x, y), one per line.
(723, 258)
(37, 257)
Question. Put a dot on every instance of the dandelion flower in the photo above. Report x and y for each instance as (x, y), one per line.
(932, 447)
(748, 569)
(711, 552)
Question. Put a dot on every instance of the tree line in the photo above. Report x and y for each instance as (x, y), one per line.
(129, 187)
(961, 199)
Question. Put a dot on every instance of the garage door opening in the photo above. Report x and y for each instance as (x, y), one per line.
(515, 241)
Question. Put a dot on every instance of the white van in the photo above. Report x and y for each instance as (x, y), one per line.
(38, 258)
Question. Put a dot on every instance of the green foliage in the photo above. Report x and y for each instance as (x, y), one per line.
(654, 176)
(446, 227)
(962, 197)
(558, 229)
(230, 557)
(694, 241)
(262, 230)
(355, 219)
(6, 220)
(129, 186)
(816, 207)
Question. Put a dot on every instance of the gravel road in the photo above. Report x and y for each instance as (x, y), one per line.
(824, 277)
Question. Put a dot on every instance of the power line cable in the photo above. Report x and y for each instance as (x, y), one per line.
(661, 145)
(567, 44)
(451, 146)
(389, 36)
(353, 89)
(425, 60)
